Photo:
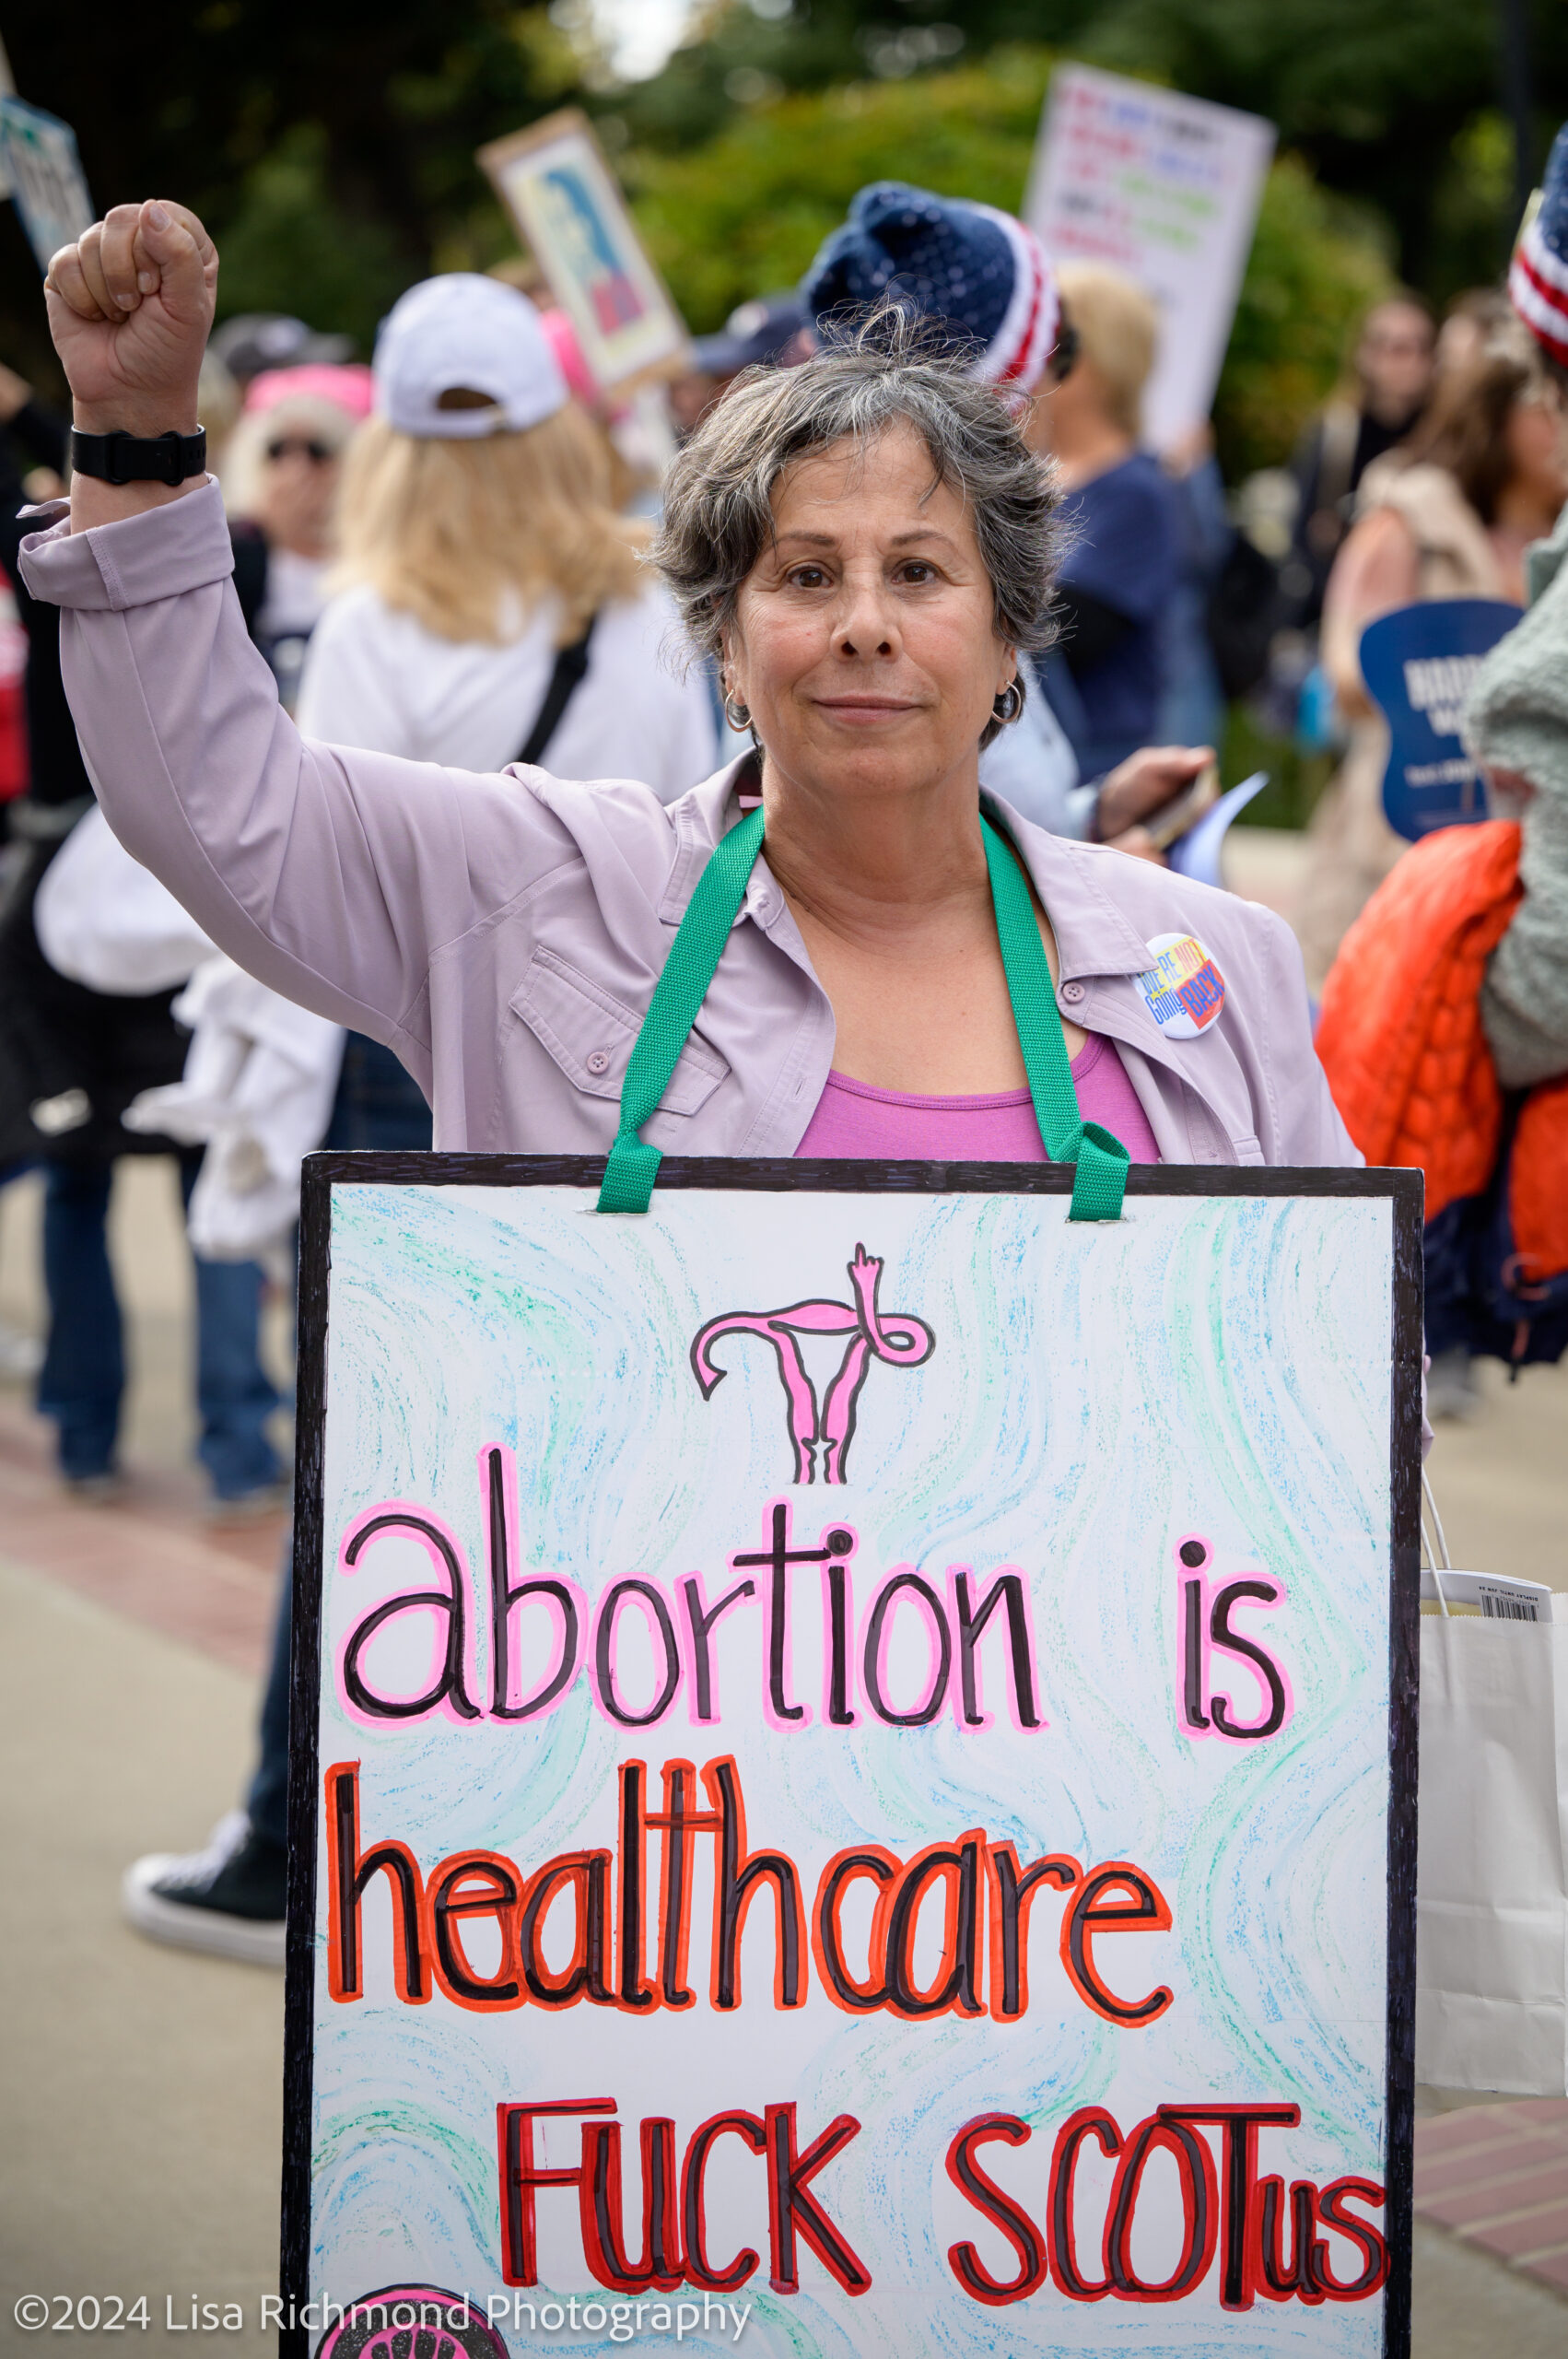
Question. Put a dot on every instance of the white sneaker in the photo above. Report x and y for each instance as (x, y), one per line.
(1453, 1391)
(20, 1355)
(227, 1899)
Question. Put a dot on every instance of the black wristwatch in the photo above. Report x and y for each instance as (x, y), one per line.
(137, 458)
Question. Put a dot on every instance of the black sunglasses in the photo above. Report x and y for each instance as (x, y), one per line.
(1064, 353)
(306, 446)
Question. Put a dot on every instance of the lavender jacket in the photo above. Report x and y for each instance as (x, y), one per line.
(503, 934)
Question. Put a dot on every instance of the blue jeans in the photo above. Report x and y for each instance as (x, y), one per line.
(82, 1382)
(377, 1106)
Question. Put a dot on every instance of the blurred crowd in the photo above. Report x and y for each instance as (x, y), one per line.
(438, 556)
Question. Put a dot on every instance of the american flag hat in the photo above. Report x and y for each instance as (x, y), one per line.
(1537, 278)
(978, 272)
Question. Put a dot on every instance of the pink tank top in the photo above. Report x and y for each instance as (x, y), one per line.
(853, 1119)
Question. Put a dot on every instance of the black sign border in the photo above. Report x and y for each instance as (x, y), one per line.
(1403, 1190)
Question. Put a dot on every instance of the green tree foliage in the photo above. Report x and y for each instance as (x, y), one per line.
(290, 245)
(330, 143)
(746, 212)
(333, 138)
(1381, 97)
(744, 49)
(1378, 94)
(1311, 275)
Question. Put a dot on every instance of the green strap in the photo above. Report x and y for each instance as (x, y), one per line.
(677, 998)
(1101, 1160)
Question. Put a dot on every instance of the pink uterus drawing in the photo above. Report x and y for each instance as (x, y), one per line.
(893, 1336)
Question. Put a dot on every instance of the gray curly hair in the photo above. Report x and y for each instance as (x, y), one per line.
(887, 370)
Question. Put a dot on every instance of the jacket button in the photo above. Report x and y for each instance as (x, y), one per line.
(597, 1060)
(1072, 993)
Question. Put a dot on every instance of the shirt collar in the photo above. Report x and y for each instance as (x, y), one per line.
(1092, 936)
(700, 817)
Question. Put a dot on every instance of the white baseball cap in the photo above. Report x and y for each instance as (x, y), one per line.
(461, 330)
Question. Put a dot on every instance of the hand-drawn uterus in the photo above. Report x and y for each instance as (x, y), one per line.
(893, 1336)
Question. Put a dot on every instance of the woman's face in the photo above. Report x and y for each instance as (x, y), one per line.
(298, 485)
(1064, 412)
(863, 639)
(1394, 359)
(1535, 437)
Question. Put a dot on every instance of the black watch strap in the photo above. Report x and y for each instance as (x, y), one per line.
(137, 458)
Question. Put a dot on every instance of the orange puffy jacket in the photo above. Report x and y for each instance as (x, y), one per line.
(1401, 1040)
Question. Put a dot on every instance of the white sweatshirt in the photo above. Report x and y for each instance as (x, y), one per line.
(381, 680)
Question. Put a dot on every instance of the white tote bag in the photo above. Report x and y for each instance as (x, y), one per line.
(1491, 1878)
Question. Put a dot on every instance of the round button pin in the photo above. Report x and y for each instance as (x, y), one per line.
(1183, 991)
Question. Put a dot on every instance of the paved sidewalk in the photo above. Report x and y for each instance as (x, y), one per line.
(141, 2086)
(1498, 2175)
(1266, 864)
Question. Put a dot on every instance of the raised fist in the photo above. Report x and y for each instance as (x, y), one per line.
(130, 305)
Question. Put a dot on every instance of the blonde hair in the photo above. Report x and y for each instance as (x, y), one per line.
(456, 533)
(1119, 328)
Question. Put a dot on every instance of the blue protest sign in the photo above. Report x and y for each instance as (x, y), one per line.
(1198, 854)
(1418, 665)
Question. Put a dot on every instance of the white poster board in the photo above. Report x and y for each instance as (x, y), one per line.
(1164, 188)
(853, 1756)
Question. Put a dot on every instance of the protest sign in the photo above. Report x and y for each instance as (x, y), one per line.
(1164, 188)
(43, 177)
(554, 181)
(853, 1760)
(1419, 664)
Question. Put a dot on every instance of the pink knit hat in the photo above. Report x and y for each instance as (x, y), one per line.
(347, 387)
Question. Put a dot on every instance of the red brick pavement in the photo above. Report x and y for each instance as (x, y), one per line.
(1498, 2176)
(154, 1556)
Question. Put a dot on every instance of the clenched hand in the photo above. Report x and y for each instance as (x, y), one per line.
(130, 305)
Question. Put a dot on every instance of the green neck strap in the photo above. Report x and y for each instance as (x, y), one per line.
(1099, 1159)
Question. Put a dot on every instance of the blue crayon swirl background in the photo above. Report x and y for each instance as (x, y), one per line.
(1095, 1393)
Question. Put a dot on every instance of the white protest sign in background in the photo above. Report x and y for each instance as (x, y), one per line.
(835, 1710)
(1166, 189)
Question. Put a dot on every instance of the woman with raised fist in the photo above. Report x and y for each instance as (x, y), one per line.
(864, 544)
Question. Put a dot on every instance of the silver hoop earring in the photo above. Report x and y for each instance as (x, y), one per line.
(1008, 705)
(737, 714)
